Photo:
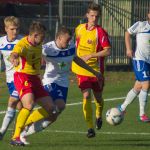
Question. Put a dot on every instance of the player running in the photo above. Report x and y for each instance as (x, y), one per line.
(7, 43)
(141, 65)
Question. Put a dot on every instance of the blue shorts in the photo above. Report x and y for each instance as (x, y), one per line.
(12, 90)
(56, 91)
(141, 70)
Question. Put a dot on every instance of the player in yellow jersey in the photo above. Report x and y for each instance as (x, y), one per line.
(26, 58)
(92, 45)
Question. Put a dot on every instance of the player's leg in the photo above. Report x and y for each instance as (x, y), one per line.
(132, 94)
(24, 84)
(41, 124)
(56, 93)
(85, 85)
(11, 109)
(98, 99)
(28, 103)
(99, 103)
(142, 74)
(9, 116)
(59, 96)
(88, 112)
(143, 101)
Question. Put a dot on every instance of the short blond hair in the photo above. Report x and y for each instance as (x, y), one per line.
(11, 20)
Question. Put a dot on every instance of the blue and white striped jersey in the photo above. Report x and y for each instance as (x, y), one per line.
(142, 32)
(5, 49)
(58, 63)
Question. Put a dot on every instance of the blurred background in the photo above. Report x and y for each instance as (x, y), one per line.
(116, 17)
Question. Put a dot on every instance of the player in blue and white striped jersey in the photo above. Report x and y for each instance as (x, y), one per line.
(141, 65)
(7, 44)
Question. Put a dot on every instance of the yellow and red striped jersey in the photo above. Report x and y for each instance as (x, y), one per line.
(29, 57)
(88, 42)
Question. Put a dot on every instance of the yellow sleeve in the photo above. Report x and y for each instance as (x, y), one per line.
(18, 48)
(77, 29)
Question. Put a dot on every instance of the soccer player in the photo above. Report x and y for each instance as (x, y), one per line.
(7, 43)
(26, 58)
(92, 45)
(58, 56)
(141, 65)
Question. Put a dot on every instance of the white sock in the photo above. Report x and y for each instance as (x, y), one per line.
(129, 98)
(36, 127)
(9, 116)
(142, 101)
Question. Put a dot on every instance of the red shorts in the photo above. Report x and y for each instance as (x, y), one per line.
(25, 83)
(85, 82)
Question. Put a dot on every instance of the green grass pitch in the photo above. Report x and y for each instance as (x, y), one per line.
(69, 131)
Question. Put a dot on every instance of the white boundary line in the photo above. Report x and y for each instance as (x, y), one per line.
(106, 133)
(108, 99)
(79, 103)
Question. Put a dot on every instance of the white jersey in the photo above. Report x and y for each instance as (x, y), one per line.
(5, 49)
(142, 32)
(58, 63)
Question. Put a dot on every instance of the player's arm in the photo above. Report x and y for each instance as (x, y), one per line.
(105, 52)
(103, 41)
(133, 30)
(129, 51)
(17, 52)
(82, 64)
(14, 59)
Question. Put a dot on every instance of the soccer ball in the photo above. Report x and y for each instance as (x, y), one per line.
(114, 116)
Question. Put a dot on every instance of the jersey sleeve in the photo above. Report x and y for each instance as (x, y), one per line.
(76, 31)
(18, 48)
(46, 50)
(77, 35)
(134, 28)
(44, 47)
(103, 39)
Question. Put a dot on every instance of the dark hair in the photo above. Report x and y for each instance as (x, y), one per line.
(38, 27)
(94, 6)
(63, 30)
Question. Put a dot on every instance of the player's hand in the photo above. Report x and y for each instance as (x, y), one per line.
(15, 62)
(129, 53)
(85, 57)
(14, 59)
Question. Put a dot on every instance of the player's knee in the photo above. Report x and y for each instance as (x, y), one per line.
(53, 114)
(87, 96)
(29, 107)
(19, 105)
(12, 103)
(60, 109)
(137, 89)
